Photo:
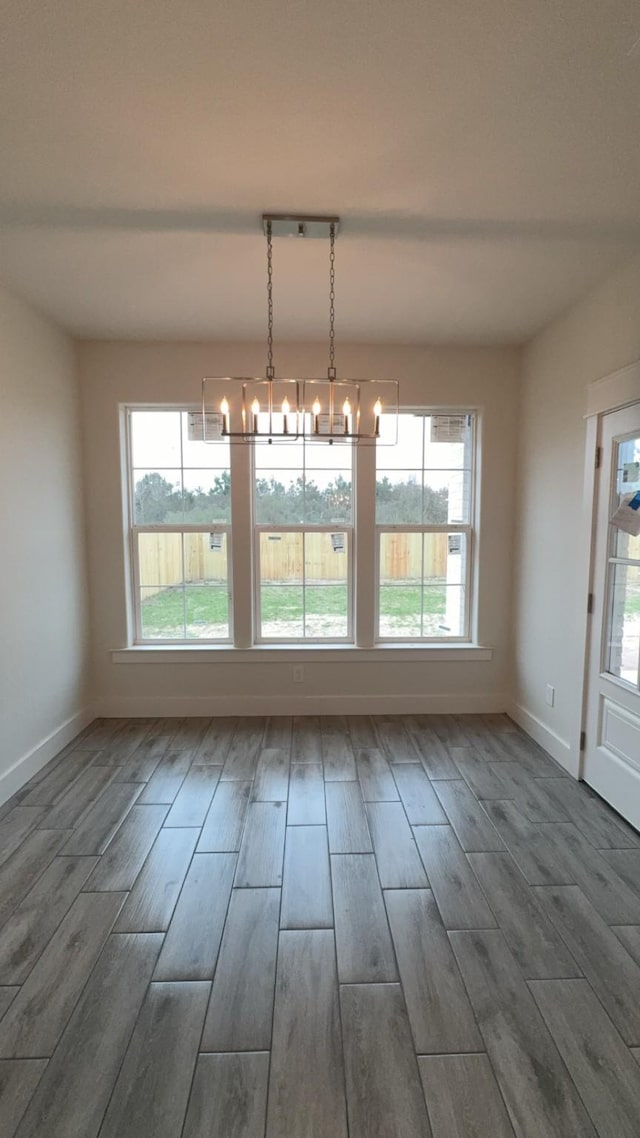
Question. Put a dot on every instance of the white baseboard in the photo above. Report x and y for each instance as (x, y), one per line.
(384, 704)
(25, 768)
(557, 747)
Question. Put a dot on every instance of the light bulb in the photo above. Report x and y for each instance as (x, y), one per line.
(316, 406)
(377, 407)
(224, 405)
(285, 406)
(255, 407)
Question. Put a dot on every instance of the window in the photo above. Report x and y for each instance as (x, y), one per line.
(181, 512)
(295, 524)
(423, 521)
(303, 531)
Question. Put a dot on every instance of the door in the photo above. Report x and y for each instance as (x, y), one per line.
(612, 748)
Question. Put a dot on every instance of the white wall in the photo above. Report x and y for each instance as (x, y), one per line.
(113, 374)
(44, 605)
(596, 337)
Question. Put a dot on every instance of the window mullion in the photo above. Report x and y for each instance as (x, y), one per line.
(242, 555)
(184, 588)
(365, 589)
(304, 584)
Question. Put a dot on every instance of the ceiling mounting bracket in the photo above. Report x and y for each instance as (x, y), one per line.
(300, 225)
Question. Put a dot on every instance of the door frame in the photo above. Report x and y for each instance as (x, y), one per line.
(612, 392)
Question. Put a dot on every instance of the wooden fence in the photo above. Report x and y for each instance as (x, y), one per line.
(282, 558)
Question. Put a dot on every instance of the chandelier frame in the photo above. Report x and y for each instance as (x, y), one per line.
(318, 409)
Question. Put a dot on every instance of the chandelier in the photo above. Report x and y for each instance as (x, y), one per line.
(270, 408)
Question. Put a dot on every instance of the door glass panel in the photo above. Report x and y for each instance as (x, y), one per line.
(623, 639)
(624, 623)
(627, 482)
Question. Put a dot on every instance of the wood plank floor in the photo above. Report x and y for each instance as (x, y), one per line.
(351, 927)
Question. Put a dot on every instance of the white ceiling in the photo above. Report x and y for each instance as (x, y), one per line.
(484, 158)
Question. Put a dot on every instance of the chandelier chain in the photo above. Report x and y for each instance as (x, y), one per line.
(332, 299)
(270, 370)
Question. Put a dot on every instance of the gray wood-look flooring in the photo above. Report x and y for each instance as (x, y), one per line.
(300, 927)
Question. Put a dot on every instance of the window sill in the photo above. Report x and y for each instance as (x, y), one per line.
(316, 653)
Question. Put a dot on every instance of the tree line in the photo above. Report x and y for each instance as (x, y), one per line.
(159, 502)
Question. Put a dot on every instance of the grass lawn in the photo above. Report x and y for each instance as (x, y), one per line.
(207, 607)
(284, 602)
(163, 614)
(326, 607)
(403, 601)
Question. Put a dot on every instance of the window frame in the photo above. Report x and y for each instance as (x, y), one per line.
(303, 527)
(363, 550)
(136, 528)
(467, 528)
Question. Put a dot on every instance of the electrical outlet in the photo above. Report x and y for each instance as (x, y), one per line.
(298, 673)
(550, 695)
